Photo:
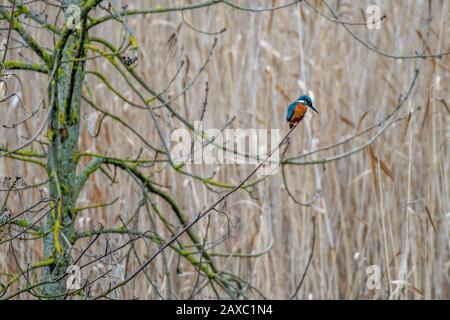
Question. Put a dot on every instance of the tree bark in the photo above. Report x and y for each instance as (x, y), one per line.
(63, 133)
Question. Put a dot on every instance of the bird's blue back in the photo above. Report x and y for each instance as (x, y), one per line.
(290, 110)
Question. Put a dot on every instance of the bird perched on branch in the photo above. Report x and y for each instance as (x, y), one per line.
(297, 110)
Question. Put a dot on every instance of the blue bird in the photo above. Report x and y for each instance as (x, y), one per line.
(296, 111)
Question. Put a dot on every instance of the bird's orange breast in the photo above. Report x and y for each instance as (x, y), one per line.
(299, 113)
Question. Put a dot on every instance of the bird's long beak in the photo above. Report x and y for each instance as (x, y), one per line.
(314, 109)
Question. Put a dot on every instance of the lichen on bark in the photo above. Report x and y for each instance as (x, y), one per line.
(64, 131)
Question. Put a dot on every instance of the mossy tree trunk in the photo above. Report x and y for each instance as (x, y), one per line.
(63, 135)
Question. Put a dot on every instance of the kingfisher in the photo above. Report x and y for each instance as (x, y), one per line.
(297, 110)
